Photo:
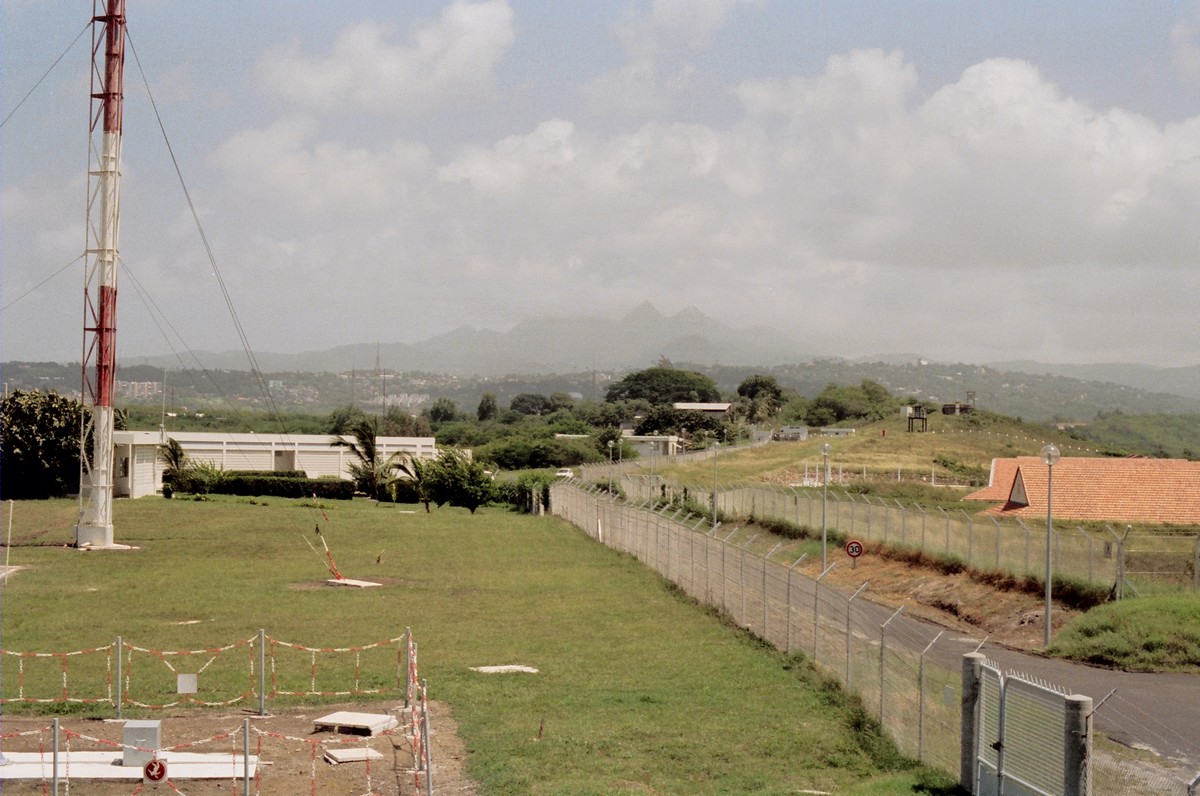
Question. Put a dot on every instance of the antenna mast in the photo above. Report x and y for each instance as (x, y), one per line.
(100, 274)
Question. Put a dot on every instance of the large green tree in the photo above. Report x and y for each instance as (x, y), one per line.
(759, 397)
(664, 386)
(841, 403)
(456, 479)
(668, 420)
(39, 445)
(487, 408)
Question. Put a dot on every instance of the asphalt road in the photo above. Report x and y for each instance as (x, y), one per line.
(1157, 712)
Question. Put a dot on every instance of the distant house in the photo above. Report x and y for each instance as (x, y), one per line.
(138, 469)
(1116, 490)
(717, 410)
(792, 433)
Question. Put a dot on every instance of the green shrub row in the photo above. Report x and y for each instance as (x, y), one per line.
(265, 484)
(269, 485)
(266, 474)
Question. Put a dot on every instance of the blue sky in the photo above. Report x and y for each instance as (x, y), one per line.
(967, 181)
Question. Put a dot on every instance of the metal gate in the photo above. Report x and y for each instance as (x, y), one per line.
(1031, 739)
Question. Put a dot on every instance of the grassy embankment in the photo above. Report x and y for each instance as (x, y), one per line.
(1152, 633)
(638, 689)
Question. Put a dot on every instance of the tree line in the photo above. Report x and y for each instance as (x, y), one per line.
(40, 443)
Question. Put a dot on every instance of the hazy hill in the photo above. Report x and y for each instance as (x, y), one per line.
(1179, 381)
(540, 345)
(581, 354)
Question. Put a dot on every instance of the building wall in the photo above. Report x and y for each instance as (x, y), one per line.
(139, 472)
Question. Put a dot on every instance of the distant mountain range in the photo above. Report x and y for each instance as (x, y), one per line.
(638, 340)
(541, 345)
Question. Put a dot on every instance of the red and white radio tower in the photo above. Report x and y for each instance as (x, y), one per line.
(95, 529)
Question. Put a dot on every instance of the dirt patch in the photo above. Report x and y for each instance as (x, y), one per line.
(956, 601)
(293, 752)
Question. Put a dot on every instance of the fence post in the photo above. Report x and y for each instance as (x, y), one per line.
(1121, 549)
(742, 577)
(816, 610)
(1077, 745)
(407, 667)
(425, 739)
(120, 679)
(1028, 541)
(999, 533)
(849, 635)
(788, 634)
(1196, 565)
(54, 756)
(246, 757)
(921, 698)
(766, 602)
(262, 672)
(970, 537)
(972, 675)
(883, 661)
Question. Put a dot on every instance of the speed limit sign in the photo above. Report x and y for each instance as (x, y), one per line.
(154, 771)
(854, 548)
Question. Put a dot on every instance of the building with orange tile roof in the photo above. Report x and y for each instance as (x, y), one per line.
(1156, 491)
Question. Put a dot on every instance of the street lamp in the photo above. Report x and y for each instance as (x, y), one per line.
(1050, 455)
(825, 449)
(610, 463)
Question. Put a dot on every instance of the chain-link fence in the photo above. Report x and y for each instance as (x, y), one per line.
(907, 673)
(1126, 561)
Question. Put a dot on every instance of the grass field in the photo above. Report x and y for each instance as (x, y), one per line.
(638, 689)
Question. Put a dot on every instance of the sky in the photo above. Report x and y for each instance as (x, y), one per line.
(972, 182)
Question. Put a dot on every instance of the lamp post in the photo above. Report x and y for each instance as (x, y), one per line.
(716, 448)
(610, 463)
(1050, 455)
(825, 448)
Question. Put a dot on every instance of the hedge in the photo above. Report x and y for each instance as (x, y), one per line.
(270, 485)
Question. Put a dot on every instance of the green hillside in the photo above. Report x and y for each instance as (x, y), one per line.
(1172, 436)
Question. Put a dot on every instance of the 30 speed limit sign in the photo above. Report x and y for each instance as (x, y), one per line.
(854, 548)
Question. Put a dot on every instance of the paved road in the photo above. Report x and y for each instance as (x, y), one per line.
(1159, 712)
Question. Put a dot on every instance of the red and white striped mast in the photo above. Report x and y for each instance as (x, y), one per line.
(95, 527)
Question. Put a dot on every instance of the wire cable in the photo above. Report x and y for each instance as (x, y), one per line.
(44, 281)
(29, 93)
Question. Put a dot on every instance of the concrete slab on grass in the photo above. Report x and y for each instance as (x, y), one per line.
(107, 765)
(358, 584)
(360, 755)
(356, 723)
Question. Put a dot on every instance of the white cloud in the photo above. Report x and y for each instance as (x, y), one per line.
(442, 61)
(288, 166)
(1185, 50)
(660, 41)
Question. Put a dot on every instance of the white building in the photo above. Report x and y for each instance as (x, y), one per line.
(137, 469)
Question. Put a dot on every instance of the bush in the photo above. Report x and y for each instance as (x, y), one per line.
(268, 485)
(266, 473)
(526, 493)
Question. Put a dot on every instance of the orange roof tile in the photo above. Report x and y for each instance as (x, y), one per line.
(1119, 490)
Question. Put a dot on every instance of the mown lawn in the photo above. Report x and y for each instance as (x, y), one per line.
(637, 690)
